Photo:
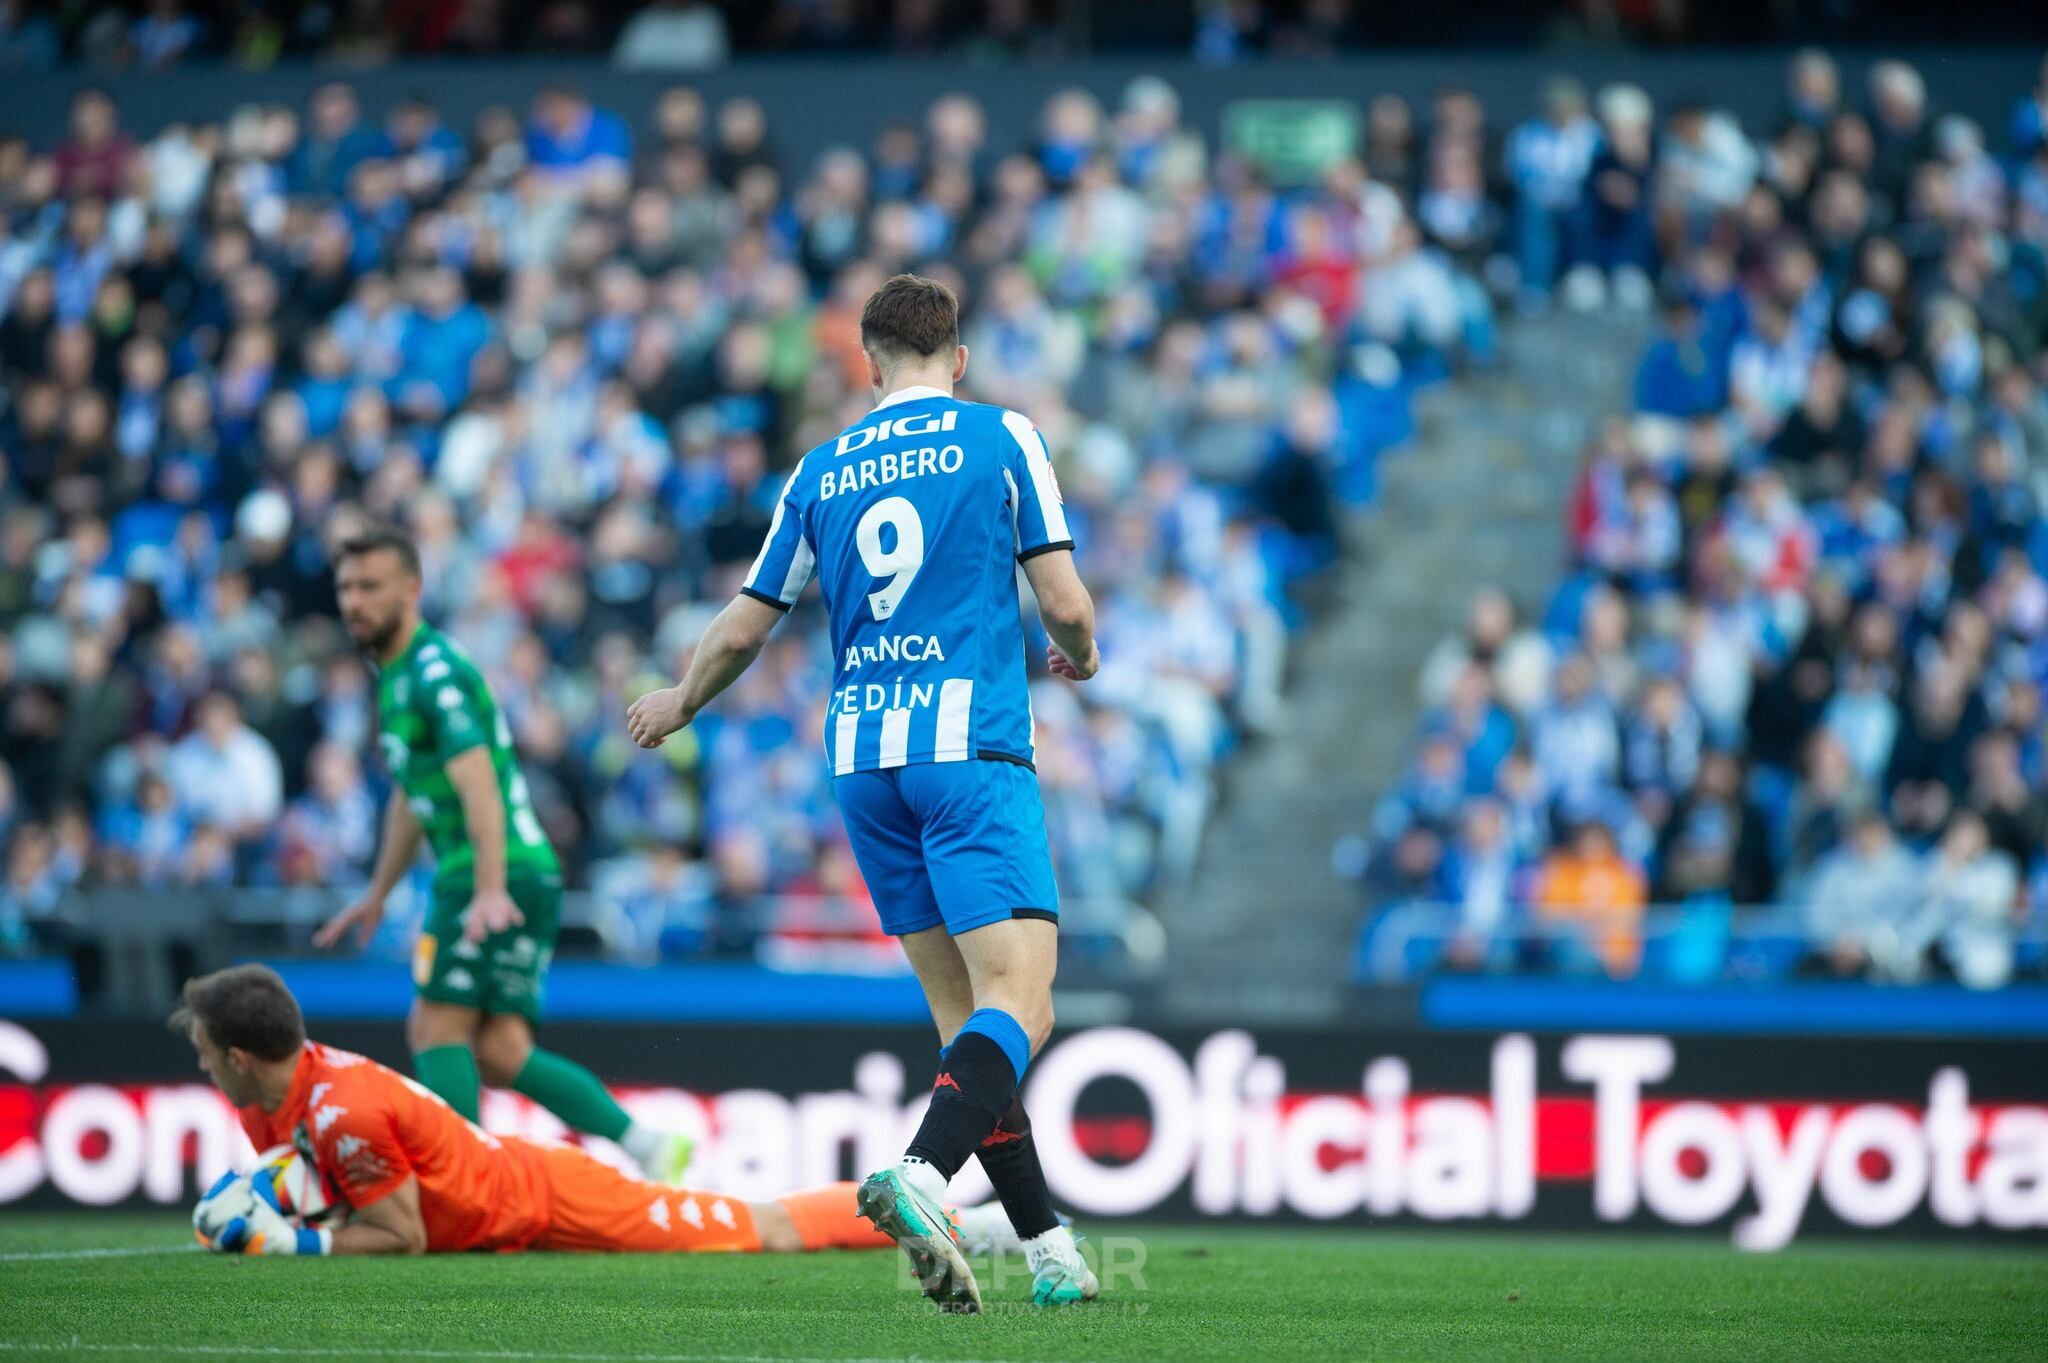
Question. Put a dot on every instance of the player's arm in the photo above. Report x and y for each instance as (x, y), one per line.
(390, 1225)
(778, 577)
(727, 650)
(236, 1218)
(400, 845)
(459, 726)
(1046, 549)
(475, 778)
(1067, 611)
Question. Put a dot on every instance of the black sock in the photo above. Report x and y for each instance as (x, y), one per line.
(1010, 1160)
(973, 1090)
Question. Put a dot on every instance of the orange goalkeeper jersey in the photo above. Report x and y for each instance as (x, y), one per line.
(368, 1127)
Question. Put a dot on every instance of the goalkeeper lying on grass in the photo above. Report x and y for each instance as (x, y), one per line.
(419, 1179)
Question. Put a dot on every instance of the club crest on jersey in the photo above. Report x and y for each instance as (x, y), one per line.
(891, 648)
(889, 426)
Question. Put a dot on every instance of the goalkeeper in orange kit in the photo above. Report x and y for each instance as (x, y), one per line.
(417, 1178)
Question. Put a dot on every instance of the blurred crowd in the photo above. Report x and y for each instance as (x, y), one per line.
(572, 348)
(1799, 659)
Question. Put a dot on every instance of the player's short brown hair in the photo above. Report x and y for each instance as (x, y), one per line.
(244, 1006)
(910, 317)
(379, 539)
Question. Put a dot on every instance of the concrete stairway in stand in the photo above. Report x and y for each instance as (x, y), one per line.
(1477, 498)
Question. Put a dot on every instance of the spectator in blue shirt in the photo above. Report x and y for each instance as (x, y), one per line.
(82, 260)
(336, 142)
(569, 138)
(375, 212)
(1548, 158)
(1680, 375)
(1428, 795)
(163, 35)
(1479, 878)
(441, 336)
(326, 386)
(427, 152)
(28, 41)
(1854, 528)
(2030, 118)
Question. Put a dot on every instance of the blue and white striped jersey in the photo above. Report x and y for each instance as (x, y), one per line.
(913, 521)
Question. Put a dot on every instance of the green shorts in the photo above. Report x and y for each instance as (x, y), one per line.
(505, 972)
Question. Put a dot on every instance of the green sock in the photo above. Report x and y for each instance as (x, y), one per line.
(450, 1071)
(572, 1093)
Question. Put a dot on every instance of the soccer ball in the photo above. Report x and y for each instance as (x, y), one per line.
(294, 1185)
(283, 1180)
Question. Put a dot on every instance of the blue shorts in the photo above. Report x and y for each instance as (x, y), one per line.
(959, 843)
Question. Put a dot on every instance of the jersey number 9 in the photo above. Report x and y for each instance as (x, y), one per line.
(900, 563)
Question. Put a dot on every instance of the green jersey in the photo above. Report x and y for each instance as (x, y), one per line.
(433, 704)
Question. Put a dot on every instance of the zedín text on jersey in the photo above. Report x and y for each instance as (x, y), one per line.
(913, 521)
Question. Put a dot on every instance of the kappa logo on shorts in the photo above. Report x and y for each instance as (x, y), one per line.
(459, 978)
(691, 1212)
(657, 1212)
(721, 1212)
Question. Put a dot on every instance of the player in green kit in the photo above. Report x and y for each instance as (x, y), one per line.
(483, 953)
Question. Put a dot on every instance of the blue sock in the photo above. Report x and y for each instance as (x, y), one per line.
(976, 1083)
(1002, 1029)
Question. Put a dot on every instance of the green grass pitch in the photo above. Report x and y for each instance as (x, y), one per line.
(1210, 1293)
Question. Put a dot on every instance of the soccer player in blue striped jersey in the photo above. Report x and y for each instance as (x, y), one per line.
(914, 520)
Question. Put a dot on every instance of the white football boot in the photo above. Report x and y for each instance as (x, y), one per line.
(1059, 1275)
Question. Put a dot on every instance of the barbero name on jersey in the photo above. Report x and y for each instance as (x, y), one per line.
(891, 466)
(895, 648)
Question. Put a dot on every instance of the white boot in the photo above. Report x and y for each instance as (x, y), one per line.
(1059, 1274)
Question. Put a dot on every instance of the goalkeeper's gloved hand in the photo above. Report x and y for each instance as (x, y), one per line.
(239, 1216)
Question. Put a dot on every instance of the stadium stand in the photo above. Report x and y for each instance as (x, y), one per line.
(570, 344)
(1790, 692)
(571, 356)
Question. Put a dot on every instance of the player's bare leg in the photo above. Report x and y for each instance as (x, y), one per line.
(1010, 966)
(941, 970)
